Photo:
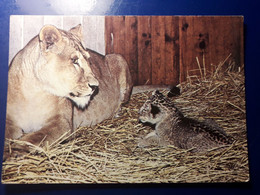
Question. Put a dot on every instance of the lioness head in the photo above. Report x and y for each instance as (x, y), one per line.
(64, 65)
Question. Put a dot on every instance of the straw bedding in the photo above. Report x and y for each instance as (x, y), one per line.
(108, 152)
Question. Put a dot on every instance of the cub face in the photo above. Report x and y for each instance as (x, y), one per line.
(157, 108)
(65, 65)
(151, 111)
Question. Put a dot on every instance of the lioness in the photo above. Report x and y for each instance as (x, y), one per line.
(56, 85)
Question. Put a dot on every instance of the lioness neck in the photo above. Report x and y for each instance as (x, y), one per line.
(22, 83)
(26, 58)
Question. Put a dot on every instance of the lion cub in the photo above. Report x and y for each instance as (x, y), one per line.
(172, 128)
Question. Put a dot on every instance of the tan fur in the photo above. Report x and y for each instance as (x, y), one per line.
(52, 75)
(115, 87)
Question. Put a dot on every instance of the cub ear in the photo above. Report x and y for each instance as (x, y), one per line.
(77, 31)
(49, 37)
(156, 92)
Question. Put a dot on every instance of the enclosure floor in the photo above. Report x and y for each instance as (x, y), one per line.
(108, 152)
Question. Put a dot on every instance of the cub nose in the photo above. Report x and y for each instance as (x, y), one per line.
(93, 87)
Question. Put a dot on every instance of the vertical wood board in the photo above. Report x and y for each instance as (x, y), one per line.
(158, 49)
(144, 50)
(23, 28)
(171, 50)
(131, 51)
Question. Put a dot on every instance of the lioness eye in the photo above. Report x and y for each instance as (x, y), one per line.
(75, 61)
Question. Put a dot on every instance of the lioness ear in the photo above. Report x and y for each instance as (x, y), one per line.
(49, 37)
(77, 30)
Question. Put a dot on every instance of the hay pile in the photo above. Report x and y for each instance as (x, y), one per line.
(108, 152)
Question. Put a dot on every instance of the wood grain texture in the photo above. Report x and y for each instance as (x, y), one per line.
(119, 34)
(131, 45)
(171, 50)
(158, 49)
(168, 49)
(109, 34)
(144, 50)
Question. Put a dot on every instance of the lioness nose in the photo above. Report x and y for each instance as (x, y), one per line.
(93, 87)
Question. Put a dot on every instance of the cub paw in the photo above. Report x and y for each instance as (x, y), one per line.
(143, 143)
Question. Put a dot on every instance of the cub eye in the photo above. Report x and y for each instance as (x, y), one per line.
(75, 61)
(155, 110)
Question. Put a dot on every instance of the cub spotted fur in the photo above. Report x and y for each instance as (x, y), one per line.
(56, 85)
(172, 128)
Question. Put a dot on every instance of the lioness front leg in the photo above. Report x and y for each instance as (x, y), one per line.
(12, 132)
(48, 134)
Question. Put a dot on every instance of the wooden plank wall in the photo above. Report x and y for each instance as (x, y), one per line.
(159, 49)
(163, 49)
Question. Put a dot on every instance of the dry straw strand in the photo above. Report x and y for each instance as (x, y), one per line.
(108, 152)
